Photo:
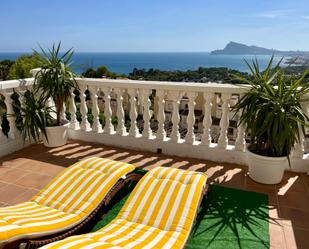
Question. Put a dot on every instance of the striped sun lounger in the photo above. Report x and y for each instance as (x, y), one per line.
(64, 203)
(158, 214)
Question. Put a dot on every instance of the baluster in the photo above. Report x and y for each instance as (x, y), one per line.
(190, 136)
(207, 121)
(74, 124)
(224, 122)
(108, 128)
(161, 134)
(96, 126)
(240, 143)
(3, 138)
(13, 132)
(147, 132)
(63, 113)
(84, 125)
(176, 97)
(51, 105)
(121, 129)
(299, 148)
(133, 113)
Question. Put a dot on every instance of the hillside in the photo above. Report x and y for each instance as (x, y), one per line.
(234, 48)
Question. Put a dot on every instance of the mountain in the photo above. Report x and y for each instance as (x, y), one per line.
(234, 48)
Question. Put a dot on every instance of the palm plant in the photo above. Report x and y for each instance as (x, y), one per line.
(272, 109)
(56, 79)
(35, 115)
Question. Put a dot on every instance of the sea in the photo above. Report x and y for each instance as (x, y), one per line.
(124, 63)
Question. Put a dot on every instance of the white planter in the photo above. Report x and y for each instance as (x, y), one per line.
(57, 135)
(267, 170)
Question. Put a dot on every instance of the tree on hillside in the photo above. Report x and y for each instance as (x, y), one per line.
(5, 67)
(100, 72)
(22, 66)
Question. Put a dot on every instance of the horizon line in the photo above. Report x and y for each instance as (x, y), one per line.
(76, 51)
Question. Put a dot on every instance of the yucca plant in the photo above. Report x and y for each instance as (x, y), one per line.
(272, 109)
(35, 115)
(56, 79)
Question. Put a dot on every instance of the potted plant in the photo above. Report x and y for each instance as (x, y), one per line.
(55, 81)
(272, 112)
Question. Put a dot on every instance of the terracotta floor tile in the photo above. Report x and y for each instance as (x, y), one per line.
(39, 167)
(234, 178)
(296, 238)
(33, 148)
(33, 180)
(3, 204)
(51, 170)
(13, 175)
(10, 192)
(3, 184)
(291, 182)
(294, 217)
(305, 179)
(29, 165)
(26, 196)
(4, 170)
(251, 182)
(293, 199)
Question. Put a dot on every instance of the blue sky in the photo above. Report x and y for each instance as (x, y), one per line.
(157, 25)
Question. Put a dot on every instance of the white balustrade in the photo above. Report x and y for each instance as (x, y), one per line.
(200, 96)
(161, 134)
(190, 136)
(133, 131)
(240, 143)
(13, 132)
(147, 133)
(175, 96)
(84, 125)
(207, 121)
(121, 129)
(108, 128)
(96, 126)
(74, 124)
(224, 122)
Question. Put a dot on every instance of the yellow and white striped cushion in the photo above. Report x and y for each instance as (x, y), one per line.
(158, 214)
(65, 201)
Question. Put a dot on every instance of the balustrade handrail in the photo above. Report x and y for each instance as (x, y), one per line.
(165, 85)
(10, 84)
(126, 83)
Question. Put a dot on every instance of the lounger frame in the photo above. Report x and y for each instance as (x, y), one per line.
(33, 243)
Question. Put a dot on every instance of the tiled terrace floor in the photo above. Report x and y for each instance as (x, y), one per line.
(24, 172)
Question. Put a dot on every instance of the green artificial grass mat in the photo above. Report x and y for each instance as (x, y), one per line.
(228, 218)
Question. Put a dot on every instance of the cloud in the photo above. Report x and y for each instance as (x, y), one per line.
(273, 14)
(305, 17)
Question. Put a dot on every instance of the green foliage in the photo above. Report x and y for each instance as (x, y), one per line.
(56, 79)
(100, 72)
(16, 109)
(201, 75)
(34, 114)
(272, 111)
(5, 67)
(22, 66)
(4, 122)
